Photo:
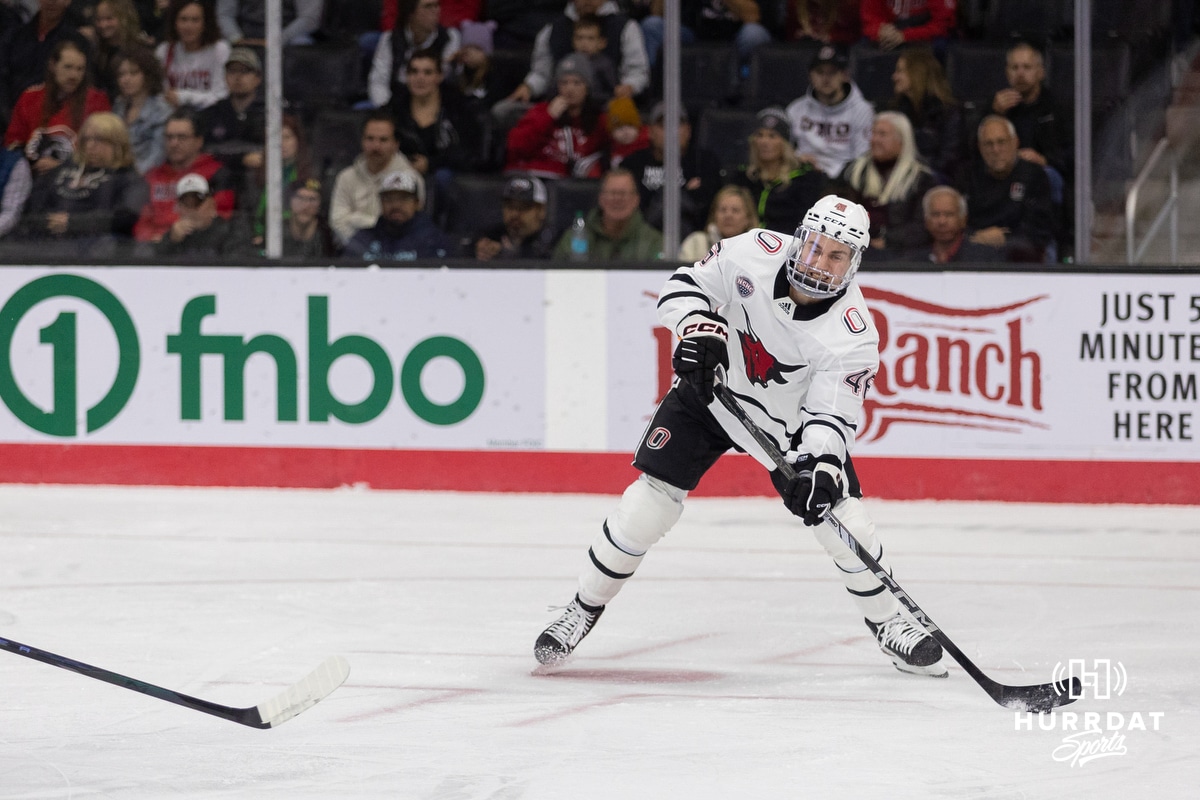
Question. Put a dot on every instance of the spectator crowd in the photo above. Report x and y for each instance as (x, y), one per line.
(136, 127)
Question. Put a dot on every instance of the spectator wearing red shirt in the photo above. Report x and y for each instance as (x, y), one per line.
(48, 116)
(566, 136)
(453, 13)
(184, 143)
(891, 23)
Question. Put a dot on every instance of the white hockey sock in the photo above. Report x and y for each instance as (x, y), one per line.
(610, 564)
(869, 593)
(647, 510)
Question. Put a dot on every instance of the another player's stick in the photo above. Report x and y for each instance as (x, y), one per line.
(276, 711)
(1038, 698)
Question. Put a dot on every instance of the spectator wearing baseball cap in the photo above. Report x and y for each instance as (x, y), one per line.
(566, 136)
(403, 231)
(700, 174)
(235, 126)
(198, 230)
(783, 186)
(831, 123)
(523, 233)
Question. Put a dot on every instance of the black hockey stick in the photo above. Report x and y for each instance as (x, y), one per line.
(1037, 698)
(315, 687)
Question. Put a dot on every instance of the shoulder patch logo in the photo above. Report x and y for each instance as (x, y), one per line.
(745, 286)
(769, 242)
(854, 322)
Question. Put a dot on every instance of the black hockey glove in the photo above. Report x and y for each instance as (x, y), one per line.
(703, 346)
(811, 494)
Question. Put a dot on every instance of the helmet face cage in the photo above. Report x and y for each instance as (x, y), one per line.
(820, 265)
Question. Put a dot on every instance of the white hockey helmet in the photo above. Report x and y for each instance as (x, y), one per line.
(828, 247)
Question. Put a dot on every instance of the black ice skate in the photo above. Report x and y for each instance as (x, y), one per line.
(910, 648)
(559, 640)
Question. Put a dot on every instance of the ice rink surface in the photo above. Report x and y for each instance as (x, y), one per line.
(732, 666)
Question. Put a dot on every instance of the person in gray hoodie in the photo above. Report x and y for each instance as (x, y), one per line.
(831, 123)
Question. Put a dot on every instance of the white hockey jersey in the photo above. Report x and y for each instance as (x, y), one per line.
(797, 369)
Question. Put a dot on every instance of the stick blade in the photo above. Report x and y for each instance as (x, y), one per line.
(305, 694)
(1041, 698)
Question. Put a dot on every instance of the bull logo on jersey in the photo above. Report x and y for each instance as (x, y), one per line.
(761, 367)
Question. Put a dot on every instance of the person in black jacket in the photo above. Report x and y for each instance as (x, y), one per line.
(199, 232)
(923, 94)
(93, 200)
(523, 233)
(234, 127)
(783, 186)
(699, 181)
(438, 129)
(1043, 124)
(1008, 197)
(945, 213)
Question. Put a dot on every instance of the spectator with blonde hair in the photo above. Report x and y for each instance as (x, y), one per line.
(118, 30)
(93, 198)
(783, 186)
(889, 181)
(922, 93)
(732, 213)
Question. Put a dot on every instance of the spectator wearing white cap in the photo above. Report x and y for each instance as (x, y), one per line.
(523, 233)
(403, 232)
(198, 229)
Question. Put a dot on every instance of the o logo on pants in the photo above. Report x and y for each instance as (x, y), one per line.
(658, 438)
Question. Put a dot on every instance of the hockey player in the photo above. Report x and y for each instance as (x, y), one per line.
(805, 353)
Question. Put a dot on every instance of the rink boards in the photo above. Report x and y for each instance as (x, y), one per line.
(999, 386)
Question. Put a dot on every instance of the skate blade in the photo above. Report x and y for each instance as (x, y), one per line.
(936, 670)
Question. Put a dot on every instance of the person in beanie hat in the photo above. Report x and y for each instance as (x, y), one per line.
(831, 123)
(782, 185)
(566, 136)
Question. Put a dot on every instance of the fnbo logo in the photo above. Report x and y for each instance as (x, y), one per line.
(62, 336)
